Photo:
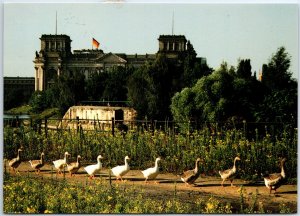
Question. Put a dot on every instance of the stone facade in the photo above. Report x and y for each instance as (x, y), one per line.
(24, 83)
(56, 57)
(17, 91)
(91, 117)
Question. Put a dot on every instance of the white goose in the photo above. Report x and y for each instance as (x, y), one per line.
(230, 173)
(59, 164)
(37, 164)
(190, 176)
(74, 166)
(92, 169)
(15, 162)
(121, 170)
(152, 172)
(275, 180)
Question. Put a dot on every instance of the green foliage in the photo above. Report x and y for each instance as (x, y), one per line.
(280, 94)
(15, 97)
(244, 69)
(137, 91)
(95, 86)
(227, 94)
(115, 85)
(39, 102)
(178, 152)
(31, 195)
(25, 109)
(214, 145)
(276, 74)
(209, 99)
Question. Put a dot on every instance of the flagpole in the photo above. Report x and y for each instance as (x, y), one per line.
(173, 23)
(56, 23)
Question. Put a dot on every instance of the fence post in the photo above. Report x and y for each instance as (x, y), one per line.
(46, 127)
(77, 123)
(17, 121)
(113, 126)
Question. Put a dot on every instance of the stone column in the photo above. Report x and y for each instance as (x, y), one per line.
(36, 86)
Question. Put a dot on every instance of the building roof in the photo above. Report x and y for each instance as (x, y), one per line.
(165, 37)
(50, 36)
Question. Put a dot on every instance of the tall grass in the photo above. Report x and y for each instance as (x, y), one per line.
(179, 151)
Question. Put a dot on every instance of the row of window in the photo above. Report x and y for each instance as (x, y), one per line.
(54, 45)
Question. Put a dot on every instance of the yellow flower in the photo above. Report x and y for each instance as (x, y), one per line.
(31, 210)
(242, 190)
(48, 212)
(209, 206)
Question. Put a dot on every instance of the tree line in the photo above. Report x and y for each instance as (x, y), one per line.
(185, 90)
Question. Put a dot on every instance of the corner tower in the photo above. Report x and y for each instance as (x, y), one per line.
(172, 45)
(49, 61)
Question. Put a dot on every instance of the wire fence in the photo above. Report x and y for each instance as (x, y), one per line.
(249, 129)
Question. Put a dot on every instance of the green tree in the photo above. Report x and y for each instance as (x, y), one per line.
(208, 100)
(150, 89)
(14, 98)
(220, 96)
(67, 90)
(244, 69)
(193, 68)
(276, 74)
(137, 91)
(95, 86)
(115, 87)
(280, 90)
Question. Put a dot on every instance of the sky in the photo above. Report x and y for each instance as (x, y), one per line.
(218, 32)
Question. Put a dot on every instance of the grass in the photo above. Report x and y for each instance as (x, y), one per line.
(25, 109)
(30, 194)
(177, 150)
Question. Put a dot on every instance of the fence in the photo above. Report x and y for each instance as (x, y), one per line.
(249, 129)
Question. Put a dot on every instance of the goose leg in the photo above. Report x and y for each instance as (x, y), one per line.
(231, 182)
(222, 183)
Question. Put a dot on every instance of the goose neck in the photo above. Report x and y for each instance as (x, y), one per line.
(197, 166)
(234, 163)
(126, 162)
(282, 169)
(65, 158)
(18, 156)
(156, 163)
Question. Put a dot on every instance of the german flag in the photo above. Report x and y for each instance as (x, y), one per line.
(95, 43)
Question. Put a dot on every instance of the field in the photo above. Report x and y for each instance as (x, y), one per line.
(65, 194)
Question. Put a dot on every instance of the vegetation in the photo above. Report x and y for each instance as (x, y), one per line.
(186, 90)
(100, 197)
(214, 144)
(228, 94)
(25, 109)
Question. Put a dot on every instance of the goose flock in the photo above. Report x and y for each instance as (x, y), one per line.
(272, 181)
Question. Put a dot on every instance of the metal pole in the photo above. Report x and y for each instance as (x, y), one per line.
(113, 126)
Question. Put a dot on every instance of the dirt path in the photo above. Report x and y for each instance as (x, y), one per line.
(205, 187)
